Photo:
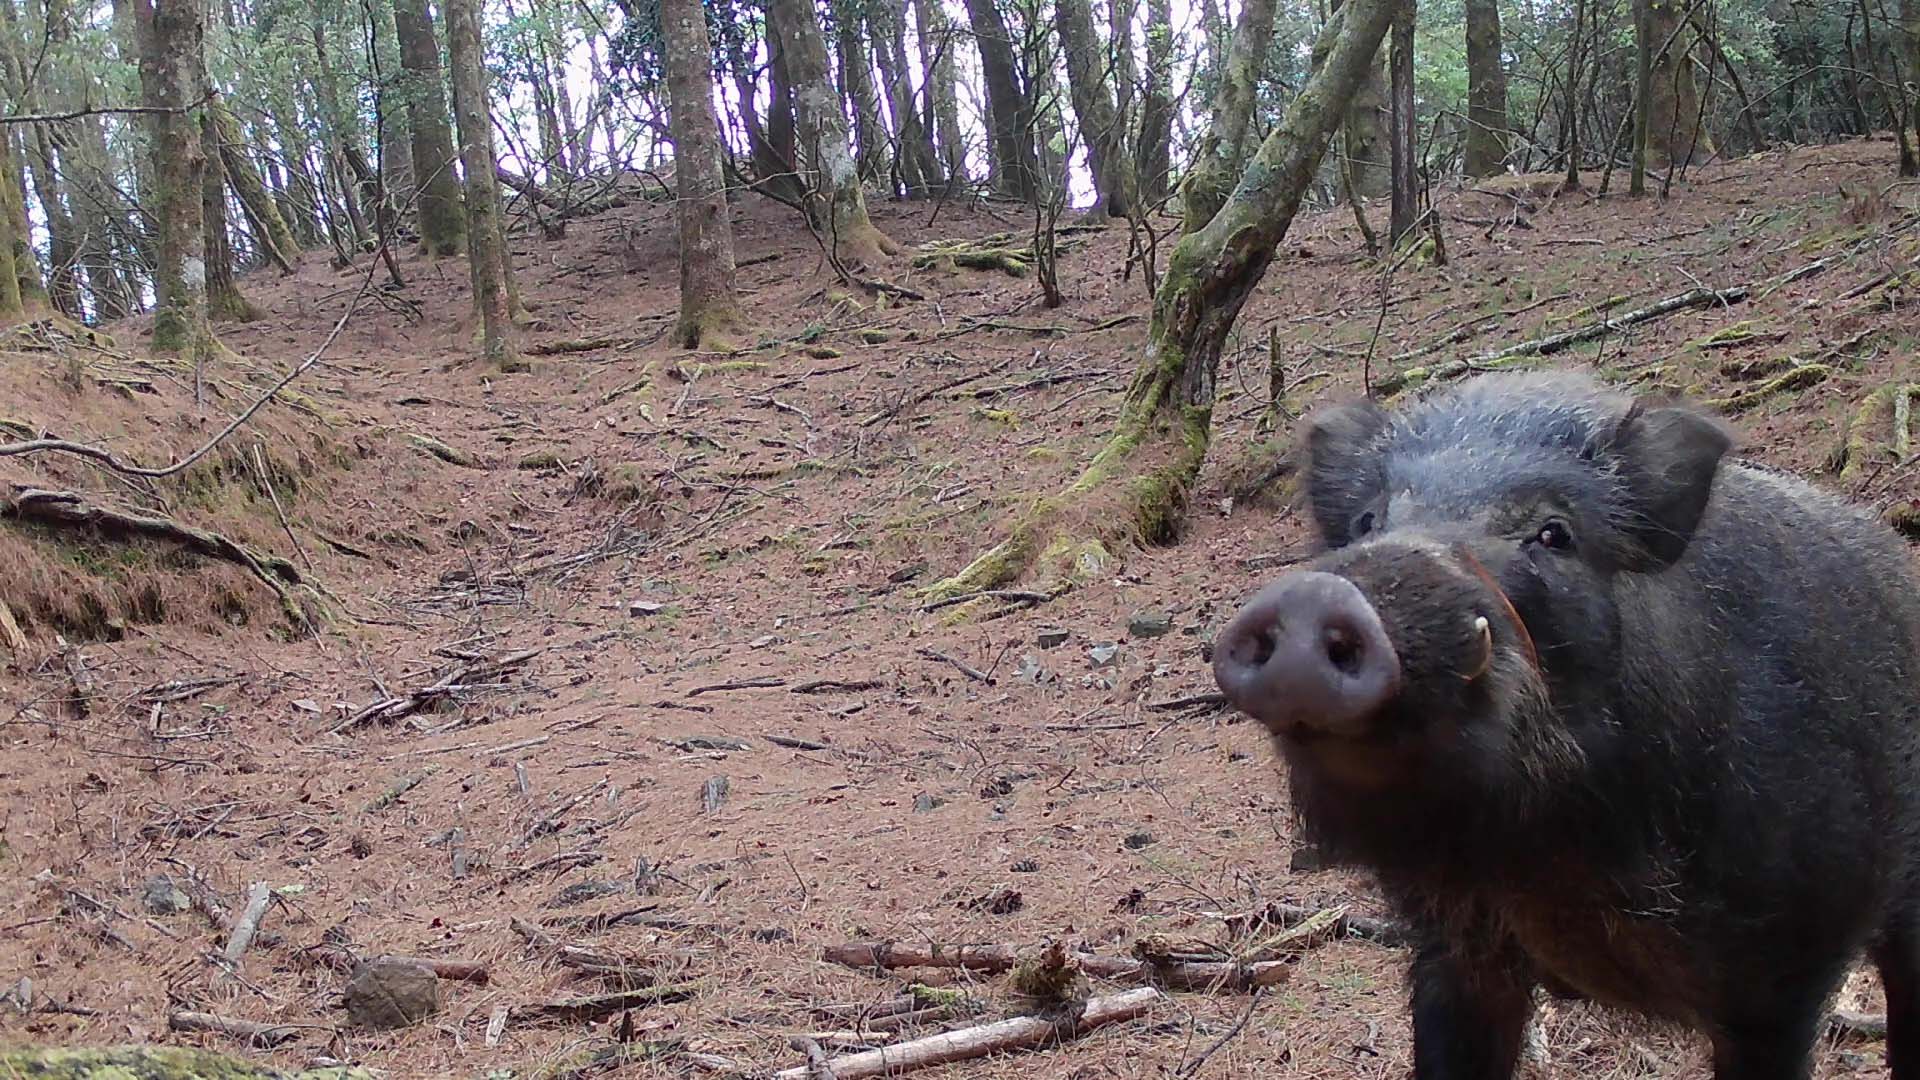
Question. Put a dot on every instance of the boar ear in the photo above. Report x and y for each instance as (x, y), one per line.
(1668, 458)
(1342, 460)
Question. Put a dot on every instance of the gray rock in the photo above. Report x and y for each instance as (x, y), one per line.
(390, 993)
(1052, 637)
(160, 896)
(1103, 655)
(1149, 624)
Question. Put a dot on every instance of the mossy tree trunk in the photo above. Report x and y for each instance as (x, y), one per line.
(1366, 128)
(1135, 487)
(225, 302)
(856, 79)
(1223, 146)
(709, 309)
(1487, 134)
(11, 308)
(442, 222)
(1153, 152)
(1126, 67)
(1675, 134)
(1086, 59)
(782, 139)
(28, 282)
(1910, 32)
(171, 58)
(937, 41)
(1016, 168)
(839, 206)
(102, 216)
(395, 158)
(228, 145)
(486, 238)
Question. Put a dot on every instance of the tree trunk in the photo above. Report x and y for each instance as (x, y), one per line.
(1910, 30)
(359, 182)
(1153, 154)
(1675, 135)
(1223, 148)
(170, 77)
(1406, 182)
(709, 310)
(1642, 95)
(1092, 104)
(269, 228)
(781, 137)
(838, 206)
(856, 80)
(1126, 70)
(442, 224)
(12, 309)
(1135, 488)
(96, 205)
(225, 303)
(937, 42)
(13, 202)
(486, 239)
(1367, 134)
(919, 163)
(1009, 110)
(63, 252)
(396, 152)
(1486, 149)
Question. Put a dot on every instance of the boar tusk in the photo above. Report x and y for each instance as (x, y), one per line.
(1485, 631)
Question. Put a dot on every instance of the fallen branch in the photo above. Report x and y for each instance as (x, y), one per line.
(1553, 343)
(586, 1008)
(248, 924)
(961, 666)
(765, 682)
(1018, 1033)
(264, 1036)
(390, 709)
(1173, 974)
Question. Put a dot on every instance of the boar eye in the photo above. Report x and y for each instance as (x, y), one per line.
(1555, 536)
(1362, 524)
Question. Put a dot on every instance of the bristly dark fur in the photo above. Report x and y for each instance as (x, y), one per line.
(1703, 804)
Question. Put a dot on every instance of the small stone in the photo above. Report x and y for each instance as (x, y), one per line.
(160, 896)
(713, 794)
(713, 742)
(1029, 670)
(767, 935)
(389, 993)
(925, 803)
(640, 609)
(1103, 655)
(581, 892)
(1138, 840)
(1051, 638)
(1149, 624)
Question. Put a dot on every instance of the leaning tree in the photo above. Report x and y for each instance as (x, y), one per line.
(1135, 488)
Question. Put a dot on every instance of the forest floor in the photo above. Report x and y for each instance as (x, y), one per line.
(685, 557)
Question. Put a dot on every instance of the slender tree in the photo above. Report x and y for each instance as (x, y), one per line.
(395, 157)
(1093, 103)
(1010, 119)
(937, 42)
(1223, 146)
(1642, 96)
(709, 310)
(12, 306)
(838, 206)
(1135, 488)
(486, 239)
(919, 164)
(1910, 32)
(856, 77)
(225, 301)
(442, 223)
(1153, 153)
(1675, 134)
(270, 230)
(1406, 183)
(1487, 134)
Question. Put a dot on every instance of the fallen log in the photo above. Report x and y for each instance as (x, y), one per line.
(263, 1036)
(151, 1063)
(1017, 1033)
(1180, 974)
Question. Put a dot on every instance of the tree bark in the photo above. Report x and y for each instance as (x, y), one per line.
(1153, 154)
(1016, 169)
(1910, 31)
(486, 239)
(709, 309)
(1675, 135)
(1223, 148)
(1126, 69)
(359, 181)
(63, 251)
(1086, 60)
(171, 54)
(225, 302)
(1135, 488)
(937, 42)
(1406, 182)
(396, 151)
(838, 206)
(442, 224)
(781, 126)
(1642, 96)
(1487, 133)
(856, 79)
(12, 308)
(269, 228)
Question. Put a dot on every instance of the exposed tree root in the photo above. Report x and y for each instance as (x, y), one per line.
(1797, 378)
(150, 1063)
(1008, 253)
(1879, 434)
(65, 509)
(1134, 490)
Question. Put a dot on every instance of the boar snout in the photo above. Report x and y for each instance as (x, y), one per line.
(1308, 654)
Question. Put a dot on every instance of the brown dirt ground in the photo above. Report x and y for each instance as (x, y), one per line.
(781, 536)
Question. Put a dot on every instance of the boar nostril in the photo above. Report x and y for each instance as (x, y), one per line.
(1344, 650)
(1261, 644)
